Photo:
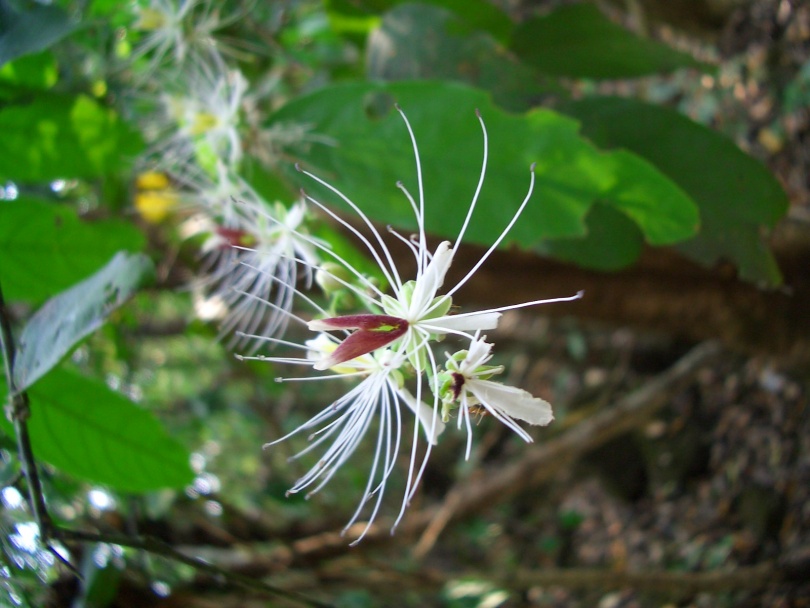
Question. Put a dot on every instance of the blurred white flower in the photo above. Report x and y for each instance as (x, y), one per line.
(174, 32)
(253, 259)
(202, 121)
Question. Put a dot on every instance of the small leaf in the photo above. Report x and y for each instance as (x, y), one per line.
(578, 41)
(46, 247)
(739, 198)
(73, 314)
(31, 31)
(83, 428)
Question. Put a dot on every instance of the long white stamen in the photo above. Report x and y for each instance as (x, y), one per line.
(500, 238)
(390, 276)
(420, 218)
(392, 267)
(478, 187)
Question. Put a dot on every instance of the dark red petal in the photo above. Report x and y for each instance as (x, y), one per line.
(363, 342)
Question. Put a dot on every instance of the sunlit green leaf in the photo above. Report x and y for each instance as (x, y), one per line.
(373, 151)
(46, 247)
(83, 428)
(737, 195)
(75, 313)
(476, 14)
(58, 136)
(24, 32)
(36, 71)
(578, 41)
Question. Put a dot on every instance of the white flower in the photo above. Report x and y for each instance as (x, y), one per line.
(201, 122)
(467, 384)
(176, 31)
(251, 258)
(424, 314)
(377, 399)
(399, 331)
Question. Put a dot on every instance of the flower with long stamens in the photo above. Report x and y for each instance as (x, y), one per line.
(377, 399)
(417, 304)
(466, 385)
(202, 119)
(255, 253)
(177, 31)
(401, 329)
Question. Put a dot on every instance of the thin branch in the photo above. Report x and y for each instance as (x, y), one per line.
(18, 411)
(158, 547)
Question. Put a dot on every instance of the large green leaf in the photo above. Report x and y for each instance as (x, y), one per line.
(373, 151)
(578, 41)
(83, 428)
(75, 313)
(737, 195)
(428, 42)
(24, 32)
(56, 136)
(612, 242)
(45, 247)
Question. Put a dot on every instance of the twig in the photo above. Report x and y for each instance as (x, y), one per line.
(18, 411)
(158, 547)
(748, 578)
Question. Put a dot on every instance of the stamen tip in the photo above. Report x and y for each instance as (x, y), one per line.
(532, 166)
(239, 357)
(581, 293)
(398, 107)
(298, 167)
(478, 112)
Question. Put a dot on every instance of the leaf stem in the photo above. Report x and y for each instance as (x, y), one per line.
(18, 411)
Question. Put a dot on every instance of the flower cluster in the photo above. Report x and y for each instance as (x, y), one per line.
(394, 349)
(203, 115)
(413, 359)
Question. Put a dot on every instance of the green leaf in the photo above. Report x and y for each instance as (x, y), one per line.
(31, 31)
(739, 198)
(373, 151)
(45, 247)
(351, 15)
(578, 41)
(397, 50)
(85, 429)
(67, 318)
(37, 72)
(56, 136)
(612, 241)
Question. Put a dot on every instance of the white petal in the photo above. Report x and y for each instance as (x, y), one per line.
(427, 418)
(429, 282)
(511, 401)
(465, 322)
